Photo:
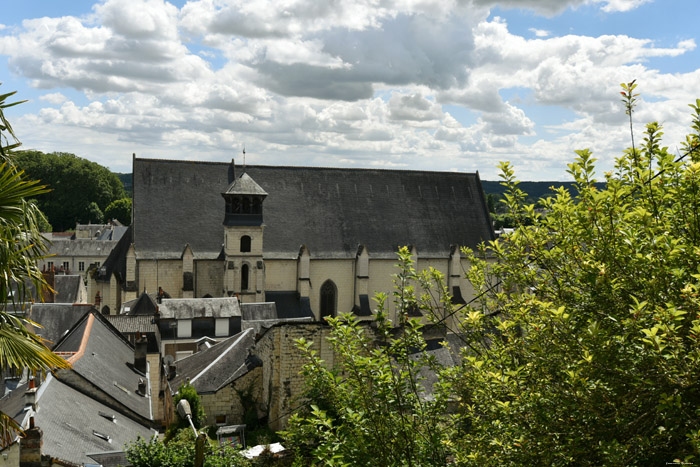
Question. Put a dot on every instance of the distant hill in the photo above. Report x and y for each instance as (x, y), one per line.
(535, 190)
(126, 180)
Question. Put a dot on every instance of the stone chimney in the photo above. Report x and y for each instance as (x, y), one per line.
(30, 446)
(50, 278)
(30, 394)
(140, 349)
(98, 300)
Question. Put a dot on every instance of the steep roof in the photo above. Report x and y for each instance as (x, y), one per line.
(102, 356)
(329, 210)
(116, 261)
(69, 420)
(56, 319)
(81, 247)
(211, 369)
(244, 185)
(67, 288)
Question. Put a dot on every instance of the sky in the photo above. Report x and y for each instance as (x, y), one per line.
(447, 85)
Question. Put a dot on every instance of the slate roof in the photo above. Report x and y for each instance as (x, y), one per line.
(116, 261)
(56, 319)
(67, 288)
(211, 369)
(329, 210)
(261, 316)
(133, 324)
(68, 419)
(81, 247)
(189, 308)
(244, 185)
(145, 304)
(106, 361)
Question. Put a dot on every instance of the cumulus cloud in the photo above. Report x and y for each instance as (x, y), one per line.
(54, 98)
(425, 84)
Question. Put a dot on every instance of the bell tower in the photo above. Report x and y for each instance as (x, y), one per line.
(244, 269)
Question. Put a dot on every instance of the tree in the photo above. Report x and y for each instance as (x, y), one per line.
(119, 210)
(180, 452)
(582, 344)
(75, 183)
(189, 393)
(21, 245)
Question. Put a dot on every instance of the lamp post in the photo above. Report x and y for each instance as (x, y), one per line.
(183, 408)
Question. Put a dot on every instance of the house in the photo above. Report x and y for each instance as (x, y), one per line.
(222, 375)
(90, 244)
(92, 409)
(315, 241)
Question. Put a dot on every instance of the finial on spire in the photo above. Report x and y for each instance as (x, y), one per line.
(244, 157)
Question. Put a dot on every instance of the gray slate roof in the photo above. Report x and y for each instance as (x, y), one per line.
(107, 362)
(211, 369)
(261, 316)
(127, 324)
(329, 210)
(68, 418)
(67, 288)
(81, 247)
(244, 185)
(189, 308)
(56, 319)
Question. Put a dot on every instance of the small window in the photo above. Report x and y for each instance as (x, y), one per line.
(221, 419)
(81, 266)
(245, 244)
(66, 264)
(97, 264)
(49, 265)
(244, 277)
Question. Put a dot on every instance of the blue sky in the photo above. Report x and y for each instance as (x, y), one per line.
(431, 84)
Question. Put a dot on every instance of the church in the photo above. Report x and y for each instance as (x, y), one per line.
(316, 241)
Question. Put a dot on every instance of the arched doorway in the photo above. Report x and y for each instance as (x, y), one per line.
(329, 299)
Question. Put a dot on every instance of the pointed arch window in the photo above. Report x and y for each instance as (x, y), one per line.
(245, 244)
(244, 277)
(329, 299)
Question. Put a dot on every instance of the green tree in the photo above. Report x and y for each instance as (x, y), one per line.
(180, 452)
(189, 393)
(119, 210)
(75, 183)
(21, 245)
(582, 344)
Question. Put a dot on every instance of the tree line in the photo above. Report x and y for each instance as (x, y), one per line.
(80, 191)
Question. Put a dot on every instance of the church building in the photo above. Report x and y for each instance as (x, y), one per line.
(315, 241)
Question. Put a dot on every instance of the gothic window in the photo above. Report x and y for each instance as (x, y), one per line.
(244, 277)
(329, 299)
(245, 244)
(105, 310)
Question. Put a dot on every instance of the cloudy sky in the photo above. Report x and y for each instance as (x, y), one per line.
(415, 84)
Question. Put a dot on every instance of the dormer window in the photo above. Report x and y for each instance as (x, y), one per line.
(245, 244)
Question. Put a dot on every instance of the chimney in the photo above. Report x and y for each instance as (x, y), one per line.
(140, 349)
(30, 447)
(142, 387)
(30, 395)
(98, 300)
(48, 292)
(172, 370)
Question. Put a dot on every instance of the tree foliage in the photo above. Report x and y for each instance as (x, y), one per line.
(581, 345)
(119, 210)
(75, 183)
(21, 245)
(180, 452)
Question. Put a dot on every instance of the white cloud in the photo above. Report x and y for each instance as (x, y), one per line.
(54, 98)
(539, 32)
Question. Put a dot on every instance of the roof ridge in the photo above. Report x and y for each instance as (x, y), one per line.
(216, 360)
(304, 167)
